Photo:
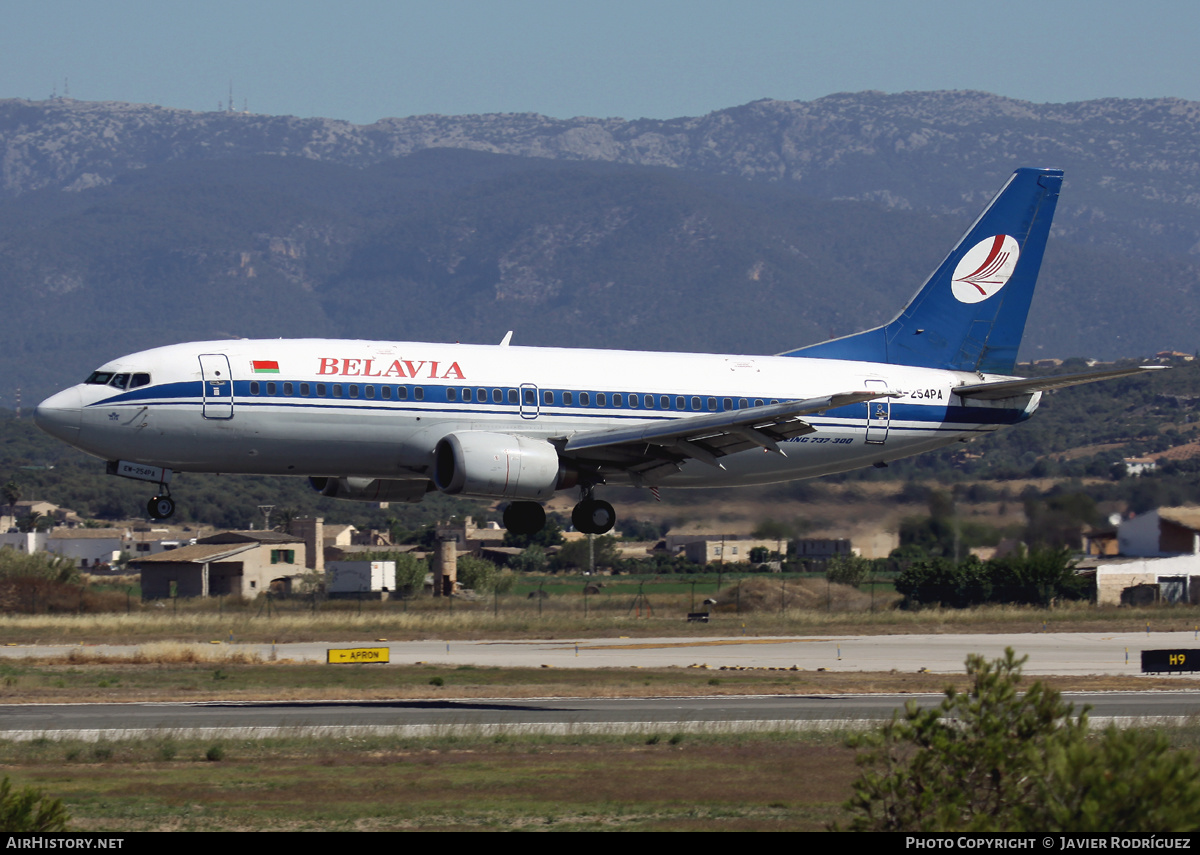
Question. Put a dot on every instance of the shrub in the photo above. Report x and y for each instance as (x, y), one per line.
(993, 759)
(28, 810)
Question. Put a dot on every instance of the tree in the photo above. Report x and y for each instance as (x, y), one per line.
(410, 573)
(28, 810)
(482, 576)
(12, 494)
(551, 534)
(848, 569)
(993, 759)
(532, 560)
(574, 555)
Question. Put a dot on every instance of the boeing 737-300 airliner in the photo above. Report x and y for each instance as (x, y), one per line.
(388, 421)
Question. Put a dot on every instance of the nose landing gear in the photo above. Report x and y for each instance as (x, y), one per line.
(162, 506)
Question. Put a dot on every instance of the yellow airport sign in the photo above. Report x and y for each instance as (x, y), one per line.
(358, 655)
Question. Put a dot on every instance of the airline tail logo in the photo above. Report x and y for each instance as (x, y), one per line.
(985, 268)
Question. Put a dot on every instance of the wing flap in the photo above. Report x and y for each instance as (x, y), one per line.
(705, 438)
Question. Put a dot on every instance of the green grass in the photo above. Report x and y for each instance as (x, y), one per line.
(654, 780)
(635, 782)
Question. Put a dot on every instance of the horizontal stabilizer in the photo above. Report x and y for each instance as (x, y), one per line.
(1014, 388)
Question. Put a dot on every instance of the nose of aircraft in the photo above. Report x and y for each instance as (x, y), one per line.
(59, 415)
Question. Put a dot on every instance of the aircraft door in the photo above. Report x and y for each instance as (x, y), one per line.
(218, 386)
(879, 414)
(530, 406)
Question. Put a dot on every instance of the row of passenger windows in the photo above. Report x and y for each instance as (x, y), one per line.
(338, 390)
(624, 400)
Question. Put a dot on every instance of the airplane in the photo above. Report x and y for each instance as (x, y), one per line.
(391, 421)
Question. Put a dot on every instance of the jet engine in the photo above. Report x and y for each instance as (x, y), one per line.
(499, 466)
(370, 489)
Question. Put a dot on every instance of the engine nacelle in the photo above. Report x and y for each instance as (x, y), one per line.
(370, 489)
(498, 466)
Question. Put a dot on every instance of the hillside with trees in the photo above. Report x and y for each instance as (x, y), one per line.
(753, 229)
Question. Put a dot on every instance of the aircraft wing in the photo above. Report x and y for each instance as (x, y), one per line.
(642, 448)
(1012, 388)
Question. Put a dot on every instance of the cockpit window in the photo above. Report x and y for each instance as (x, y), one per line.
(119, 381)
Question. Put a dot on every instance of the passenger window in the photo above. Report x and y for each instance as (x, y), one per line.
(712, 404)
(727, 404)
(451, 394)
(695, 403)
(287, 389)
(369, 391)
(568, 399)
(321, 390)
(467, 395)
(633, 401)
(270, 388)
(497, 396)
(481, 395)
(386, 393)
(548, 397)
(617, 399)
(743, 404)
(758, 402)
(353, 390)
(253, 387)
(419, 393)
(512, 396)
(305, 390)
(337, 390)
(402, 393)
(584, 399)
(664, 402)
(530, 397)
(680, 405)
(601, 399)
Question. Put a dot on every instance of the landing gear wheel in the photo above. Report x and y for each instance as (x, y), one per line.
(161, 507)
(524, 517)
(593, 516)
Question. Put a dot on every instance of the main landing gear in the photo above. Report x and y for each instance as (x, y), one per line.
(590, 516)
(593, 516)
(524, 517)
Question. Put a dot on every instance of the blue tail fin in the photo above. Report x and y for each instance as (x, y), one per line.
(970, 314)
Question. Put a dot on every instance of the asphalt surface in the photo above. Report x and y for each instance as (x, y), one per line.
(1049, 653)
(500, 715)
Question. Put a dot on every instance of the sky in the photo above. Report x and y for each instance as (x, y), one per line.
(363, 60)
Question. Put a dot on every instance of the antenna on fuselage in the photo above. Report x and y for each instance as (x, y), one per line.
(507, 338)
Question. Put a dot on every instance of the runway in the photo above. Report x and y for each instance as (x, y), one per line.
(416, 718)
(1049, 653)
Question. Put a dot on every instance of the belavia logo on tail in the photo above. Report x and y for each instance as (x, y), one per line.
(984, 269)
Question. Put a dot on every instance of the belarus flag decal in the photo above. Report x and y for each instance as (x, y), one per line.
(265, 366)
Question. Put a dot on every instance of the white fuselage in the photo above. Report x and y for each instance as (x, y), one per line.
(364, 409)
